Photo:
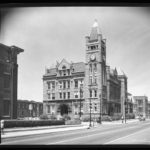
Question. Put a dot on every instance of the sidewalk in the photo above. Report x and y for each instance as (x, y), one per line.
(39, 130)
(14, 132)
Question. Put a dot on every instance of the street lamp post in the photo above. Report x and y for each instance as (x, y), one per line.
(125, 103)
(90, 113)
(80, 99)
(100, 117)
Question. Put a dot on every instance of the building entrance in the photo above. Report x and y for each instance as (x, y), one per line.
(63, 109)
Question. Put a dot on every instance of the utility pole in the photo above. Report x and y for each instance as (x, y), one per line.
(90, 107)
(100, 117)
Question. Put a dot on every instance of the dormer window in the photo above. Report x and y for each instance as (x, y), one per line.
(64, 72)
(64, 67)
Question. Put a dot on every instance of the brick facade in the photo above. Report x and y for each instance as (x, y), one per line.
(8, 81)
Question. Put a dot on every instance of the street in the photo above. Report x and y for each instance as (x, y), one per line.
(133, 133)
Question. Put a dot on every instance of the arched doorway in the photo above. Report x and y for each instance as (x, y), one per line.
(63, 109)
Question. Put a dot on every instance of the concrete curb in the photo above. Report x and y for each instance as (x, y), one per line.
(38, 133)
(38, 128)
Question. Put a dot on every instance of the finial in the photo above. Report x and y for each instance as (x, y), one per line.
(95, 23)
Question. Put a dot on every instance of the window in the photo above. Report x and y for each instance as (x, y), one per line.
(49, 96)
(95, 79)
(90, 93)
(95, 67)
(60, 85)
(60, 95)
(76, 83)
(6, 81)
(64, 95)
(68, 95)
(6, 108)
(68, 84)
(90, 67)
(76, 94)
(48, 108)
(90, 79)
(95, 93)
(64, 84)
(49, 85)
(64, 72)
(53, 95)
(95, 107)
(53, 85)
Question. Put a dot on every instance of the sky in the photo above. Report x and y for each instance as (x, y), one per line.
(49, 34)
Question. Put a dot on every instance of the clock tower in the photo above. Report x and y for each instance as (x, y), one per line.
(95, 72)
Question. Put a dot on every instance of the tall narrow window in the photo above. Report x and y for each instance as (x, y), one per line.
(76, 94)
(68, 84)
(53, 85)
(49, 96)
(95, 93)
(90, 67)
(49, 85)
(64, 84)
(95, 79)
(90, 80)
(95, 67)
(95, 107)
(6, 108)
(64, 95)
(68, 95)
(6, 81)
(53, 95)
(48, 108)
(76, 83)
(60, 85)
(64, 72)
(90, 93)
(60, 95)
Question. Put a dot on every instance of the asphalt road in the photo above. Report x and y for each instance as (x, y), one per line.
(133, 133)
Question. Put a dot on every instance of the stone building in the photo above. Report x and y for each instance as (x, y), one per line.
(140, 106)
(71, 88)
(8, 81)
(26, 109)
(148, 109)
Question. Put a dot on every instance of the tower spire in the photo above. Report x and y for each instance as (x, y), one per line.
(95, 31)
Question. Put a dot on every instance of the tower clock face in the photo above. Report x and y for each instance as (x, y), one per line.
(93, 57)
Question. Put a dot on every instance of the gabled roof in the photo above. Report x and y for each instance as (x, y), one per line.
(63, 63)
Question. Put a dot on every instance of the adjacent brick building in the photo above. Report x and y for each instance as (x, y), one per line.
(8, 81)
(71, 88)
(26, 109)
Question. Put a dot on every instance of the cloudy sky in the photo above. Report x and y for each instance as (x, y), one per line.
(48, 34)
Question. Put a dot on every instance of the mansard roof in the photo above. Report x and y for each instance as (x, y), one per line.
(52, 71)
(78, 67)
